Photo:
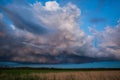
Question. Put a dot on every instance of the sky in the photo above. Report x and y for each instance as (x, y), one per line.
(59, 31)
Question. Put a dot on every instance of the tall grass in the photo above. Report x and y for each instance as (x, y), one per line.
(81, 75)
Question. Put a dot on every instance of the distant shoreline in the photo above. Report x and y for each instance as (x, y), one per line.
(76, 69)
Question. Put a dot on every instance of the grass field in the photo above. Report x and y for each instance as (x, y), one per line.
(58, 74)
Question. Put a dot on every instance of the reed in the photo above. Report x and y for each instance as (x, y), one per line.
(79, 75)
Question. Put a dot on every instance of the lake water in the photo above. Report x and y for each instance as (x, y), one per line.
(110, 64)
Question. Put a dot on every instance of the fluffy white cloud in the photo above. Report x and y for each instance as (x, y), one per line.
(52, 5)
(65, 33)
(109, 42)
(63, 30)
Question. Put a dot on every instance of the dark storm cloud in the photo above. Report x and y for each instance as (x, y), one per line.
(3, 27)
(24, 22)
(46, 34)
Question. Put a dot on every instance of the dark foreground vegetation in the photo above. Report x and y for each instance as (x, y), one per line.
(58, 74)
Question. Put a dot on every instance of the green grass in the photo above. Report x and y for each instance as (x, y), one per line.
(58, 74)
(31, 70)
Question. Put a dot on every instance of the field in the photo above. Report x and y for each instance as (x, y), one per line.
(58, 74)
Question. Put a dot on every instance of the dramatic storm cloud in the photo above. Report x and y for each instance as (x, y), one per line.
(51, 33)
